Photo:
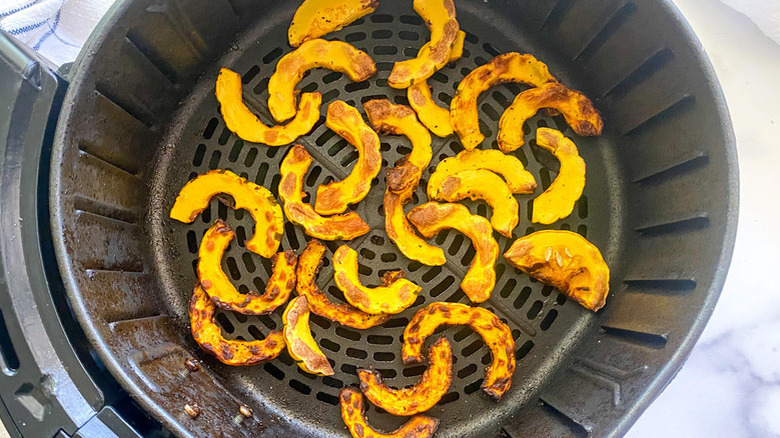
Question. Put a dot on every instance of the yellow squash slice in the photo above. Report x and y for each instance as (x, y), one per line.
(509, 167)
(421, 396)
(194, 197)
(347, 122)
(564, 260)
(576, 108)
(388, 118)
(353, 408)
(508, 67)
(340, 227)
(209, 337)
(396, 293)
(333, 55)
(300, 343)
(432, 217)
(315, 18)
(558, 200)
(494, 332)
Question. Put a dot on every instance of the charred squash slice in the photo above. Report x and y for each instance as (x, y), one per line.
(576, 108)
(315, 18)
(432, 217)
(484, 185)
(353, 409)
(209, 336)
(564, 260)
(396, 293)
(194, 197)
(347, 122)
(308, 265)
(509, 167)
(388, 118)
(340, 227)
(240, 119)
(300, 343)
(420, 397)
(508, 67)
(333, 55)
(222, 292)
(494, 332)
(558, 200)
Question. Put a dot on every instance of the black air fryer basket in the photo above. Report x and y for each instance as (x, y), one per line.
(86, 229)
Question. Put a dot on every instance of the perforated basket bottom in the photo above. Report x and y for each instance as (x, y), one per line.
(544, 324)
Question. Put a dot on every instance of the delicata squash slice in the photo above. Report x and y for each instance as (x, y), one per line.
(300, 343)
(576, 108)
(308, 265)
(420, 397)
(315, 18)
(333, 55)
(558, 200)
(194, 197)
(240, 120)
(340, 227)
(432, 217)
(222, 292)
(347, 122)
(494, 332)
(485, 185)
(509, 167)
(209, 337)
(353, 408)
(508, 67)
(566, 261)
(396, 293)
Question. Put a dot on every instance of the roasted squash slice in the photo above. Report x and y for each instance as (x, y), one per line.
(396, 293)
(315, 18)
(558, 200)
(485, 185)
(439, 16)
(222, 292)
(508, 67)
(340, 227)
(347, 122)
(239, 119)
(300, 343)
(509, 167)
(209, 336)
(308, 265)
(494, 332)
(194, 197)
(353, 409)
(564, 260)
(432, 217)
(333, 55)
(576, 108)
(421, 396)
(388, 118)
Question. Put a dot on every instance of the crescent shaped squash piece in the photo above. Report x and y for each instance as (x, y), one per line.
(222, 292)
(576, 108)
(194, 197)
(308, 265)
(496, 334)
(333, 55)
(508, 167)
(566, 261)
(558, 200)
(347, 122)
(240, 120)
(394, 296)
(421, 396)
(508, 67)
(353, 409)
(315, 18)
(209, 337)
(300, 343)
(340, 227)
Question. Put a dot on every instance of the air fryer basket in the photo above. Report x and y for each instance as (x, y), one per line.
(140, 119)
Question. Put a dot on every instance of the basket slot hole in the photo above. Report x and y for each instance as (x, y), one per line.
(356, 353)
(250, 74)
(508, 287)
(236, 150)
(448, 398)
(385, 50)
(214, 161)
(261, 86)
(467, 370)
(192, 242)
(241, 236)
(250, 157)
(367, 253)
(468, 256)
(350, 158)
(309, 88)
(387, 373)
(414, 266)
(379, 339)
(388, 257)
(416, 370)
(411, 19)
(384, 356)
(396, 322)
(381, 18)
(536, 307)
(473, 387)
(547, 290)
(330, 345)
(522, 297)
(408, 35)
(473, 347)
(410, 52)
(364, 270)
(327, 398)
(292, 238)
(382, 34)
(549, 319)
(582, 207)
(320, 321)
(235, 274)
(273, 371)
(210, 128)
(442, 286)
(487, 358)
(432, 273)
(324, 137)
(357, 86)
(300, 386)
(462, 334)
(331, 77)
(524, 349)
(225, 323)
(272, 55)
(332, 382)
(355, 37)
(349, 369)
(200, 152)
(348, 334)
(330, 95)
